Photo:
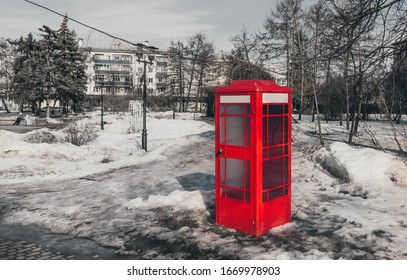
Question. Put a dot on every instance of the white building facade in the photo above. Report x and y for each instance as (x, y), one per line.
(119, 72)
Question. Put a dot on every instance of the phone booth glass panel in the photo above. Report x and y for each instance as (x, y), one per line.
(253, 155)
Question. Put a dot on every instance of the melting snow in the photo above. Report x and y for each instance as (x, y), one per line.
(348, 202)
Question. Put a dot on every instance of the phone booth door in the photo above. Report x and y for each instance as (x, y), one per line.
(233, 191)
(276, 160)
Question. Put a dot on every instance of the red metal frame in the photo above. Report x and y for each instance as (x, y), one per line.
(242, 202)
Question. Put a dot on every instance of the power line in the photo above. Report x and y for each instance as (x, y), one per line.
(93, 28)
(140, 45)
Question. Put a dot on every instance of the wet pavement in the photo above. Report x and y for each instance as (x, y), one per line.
(19, 242)
(21, 250)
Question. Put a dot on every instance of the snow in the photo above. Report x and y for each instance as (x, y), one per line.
(27, 161)
(348, 201)
(180, 200)
(370, 171)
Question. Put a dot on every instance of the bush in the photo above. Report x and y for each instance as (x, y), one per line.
(41, 137)
(80, 134)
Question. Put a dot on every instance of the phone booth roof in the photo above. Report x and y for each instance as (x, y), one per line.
(253, 86)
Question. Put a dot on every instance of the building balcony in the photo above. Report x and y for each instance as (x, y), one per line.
(161, 74)
(162, 64)
(109, 84)
(161, 85)
(112, 72)
(112, 61)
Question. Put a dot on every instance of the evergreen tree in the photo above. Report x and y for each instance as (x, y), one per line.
(49, 69)
(27, 80)
(49, 55)
(71, 67)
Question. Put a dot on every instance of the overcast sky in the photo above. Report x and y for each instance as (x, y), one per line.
(156, 21)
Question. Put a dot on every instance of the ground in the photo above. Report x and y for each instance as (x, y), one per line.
(113, 200)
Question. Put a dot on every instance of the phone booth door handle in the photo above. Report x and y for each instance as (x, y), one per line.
(219, 152)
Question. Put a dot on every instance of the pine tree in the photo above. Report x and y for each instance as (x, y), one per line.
(49, 69)
(71, 67)
(49, 55)
(27, 68)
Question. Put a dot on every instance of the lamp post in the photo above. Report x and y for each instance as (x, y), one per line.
(144, 131)
(102, 105)
(102, 124)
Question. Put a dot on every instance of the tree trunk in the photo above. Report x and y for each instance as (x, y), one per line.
(313, 111)
(302, 77)
(5, 105)
(328, 83)
(358, 117)
(199, 90)
(190, 83)
(181, 90)
(351, 129)
(321, 140)
(345, 75)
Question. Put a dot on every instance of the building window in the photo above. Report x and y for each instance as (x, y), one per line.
(99, 77)
(150, 80)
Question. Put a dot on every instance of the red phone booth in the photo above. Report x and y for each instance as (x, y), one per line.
(253, 155)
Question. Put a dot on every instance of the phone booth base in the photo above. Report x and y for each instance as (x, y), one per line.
(253, 155)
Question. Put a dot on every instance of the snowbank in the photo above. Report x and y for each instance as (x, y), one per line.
(371, 171)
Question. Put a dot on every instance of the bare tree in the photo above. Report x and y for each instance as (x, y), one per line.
(251, 47)
(201, 55)
(176, 66)
(247, 58)
(285, 27)
(189, 65)
(6, 74)
(282, 24)
(362, 44)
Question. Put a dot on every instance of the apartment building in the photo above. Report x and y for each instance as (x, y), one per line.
(119, 72)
